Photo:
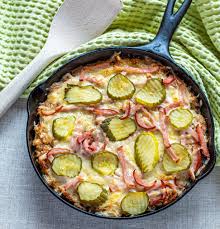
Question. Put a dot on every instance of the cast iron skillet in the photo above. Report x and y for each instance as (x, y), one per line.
(157, 49)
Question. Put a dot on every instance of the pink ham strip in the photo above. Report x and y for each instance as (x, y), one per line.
(88, 143)
(91, 68)
(172, 154)
(194, 134)
(74, 144)
(164, 133)
(133, 70)
(127, 109)
(106, 141)
(140, 182)
(72, 183)
(165, 195)
(94, 80)
(69, 108)
(149, 116)
(171, 106)
(55, 151)
(104, 112)
(168, 80)
(196, 164)
(85, 135)
(142, 124)
(114, 188)
(51, 112)
(202, 141)
(128, 179)
(164, 128)
(178, 185)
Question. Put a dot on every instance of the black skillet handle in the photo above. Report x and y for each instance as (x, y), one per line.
(170, 21)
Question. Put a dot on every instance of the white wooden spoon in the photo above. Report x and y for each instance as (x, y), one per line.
(76, 22)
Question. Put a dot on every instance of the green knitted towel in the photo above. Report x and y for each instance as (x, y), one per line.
(24, 27)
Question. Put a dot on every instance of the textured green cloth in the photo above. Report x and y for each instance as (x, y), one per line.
(24, 27)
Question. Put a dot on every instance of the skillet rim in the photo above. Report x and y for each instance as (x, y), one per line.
(122, 49)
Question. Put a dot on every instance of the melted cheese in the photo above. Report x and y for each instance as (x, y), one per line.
(85, 121)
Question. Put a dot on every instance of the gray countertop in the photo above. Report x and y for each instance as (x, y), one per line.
(26, 203)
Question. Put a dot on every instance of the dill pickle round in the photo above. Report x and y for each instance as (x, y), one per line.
(120, 87)
(152, 94)
(146, 151)
(135, 203)
(184, 159)
(105, 162)
(63, 127)
(117, 129)
(92, 194)
(181, 118)
(67, 165)
(82, 95)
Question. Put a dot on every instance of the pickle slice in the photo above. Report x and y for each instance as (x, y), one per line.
(82, 95)
(120, 87)
(152, 94)
(92, 194)
(135, 203)
(67, 165)
(181, 118)
(117, 129)
(184, 159)
(63, 127)
(105, 162)
(146, 151)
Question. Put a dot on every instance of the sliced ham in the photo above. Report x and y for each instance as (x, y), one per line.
(194, 134)
(172, 154)
(74, 144)
(127, 109)
(168, 80)
(104, 112)
(85, 69)
(196, 164)
(72, 183)
(51, 112)
(55, 151)
(149, 116)
(105, 143)
(141, 123)
(178, 184)
(142, 183)
(114, 188)
(69, 108)
(90, 146)
(171, 106)
(89, 143)
(163, 129)
(156, 200)
(202, 141)
(128, 178)
(167, 194)
(91, 79)
(85, 135)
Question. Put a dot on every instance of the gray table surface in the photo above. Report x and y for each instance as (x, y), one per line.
(26, 203)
